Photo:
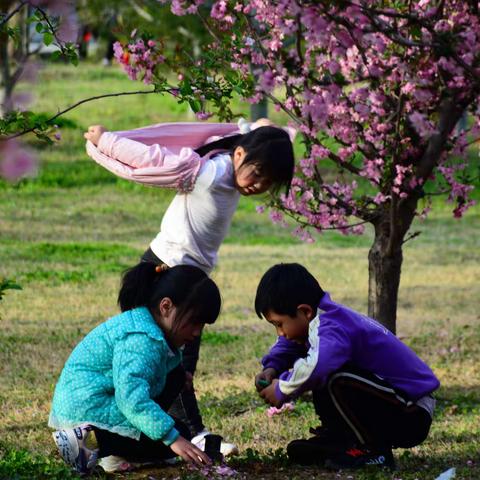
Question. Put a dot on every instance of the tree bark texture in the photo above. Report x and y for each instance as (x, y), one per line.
(385, 259)
(384, 271)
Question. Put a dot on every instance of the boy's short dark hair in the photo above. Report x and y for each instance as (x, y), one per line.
(285, 286)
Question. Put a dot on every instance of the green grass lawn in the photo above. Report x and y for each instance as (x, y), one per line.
(67, 235)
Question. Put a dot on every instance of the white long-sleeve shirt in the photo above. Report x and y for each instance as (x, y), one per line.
(196, 223)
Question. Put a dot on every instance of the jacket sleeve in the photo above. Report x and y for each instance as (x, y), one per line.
(283, 354)
(148, 164)
(329, 351)
(137, 364)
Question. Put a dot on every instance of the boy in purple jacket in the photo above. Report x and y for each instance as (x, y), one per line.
(371, 392)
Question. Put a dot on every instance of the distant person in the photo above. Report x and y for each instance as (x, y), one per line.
(109, 52)
(114, 391)
(210, 165)
(371, 392)
(85, 37)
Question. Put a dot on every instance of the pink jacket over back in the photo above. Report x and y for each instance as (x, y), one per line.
(161, 155)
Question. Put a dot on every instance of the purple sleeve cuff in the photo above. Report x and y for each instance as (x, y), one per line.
(271, 363)
(283, 355)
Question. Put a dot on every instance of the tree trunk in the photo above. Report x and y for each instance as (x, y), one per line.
(385, 259)
(6, 87)
(384, 270)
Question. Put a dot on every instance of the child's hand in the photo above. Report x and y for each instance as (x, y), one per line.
(268, 394)
(189, 452)
(94, 133)
(265, 378)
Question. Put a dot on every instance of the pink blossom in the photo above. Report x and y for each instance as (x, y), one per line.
(320, 152)
(422, 125)
(203, 115)
(304, 235)
(286, 407)
(358, 229)
(267, 81)
(380, 198)
(219, 10)
(225, 471)
(276, 216)
(139, 58)
(214, 471)
(16, 161)
(333, 67)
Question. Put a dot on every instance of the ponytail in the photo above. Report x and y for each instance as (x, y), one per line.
(226, 143)
(137, 285)
(192, 292)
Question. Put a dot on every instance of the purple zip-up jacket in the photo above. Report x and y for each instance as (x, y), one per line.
(340, 335)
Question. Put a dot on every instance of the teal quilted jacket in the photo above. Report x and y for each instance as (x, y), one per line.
(112, 376)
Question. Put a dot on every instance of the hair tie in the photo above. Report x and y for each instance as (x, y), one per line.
(161, 268)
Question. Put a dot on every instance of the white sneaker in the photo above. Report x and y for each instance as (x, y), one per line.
(113, 463)
(72, 446)
(226, 449)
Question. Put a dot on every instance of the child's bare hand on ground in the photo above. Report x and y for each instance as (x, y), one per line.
(265, 377)
(94, 133)
(268, 394)
(189, 452)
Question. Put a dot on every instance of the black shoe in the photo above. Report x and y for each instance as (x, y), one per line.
(315, 450)
(360, 457)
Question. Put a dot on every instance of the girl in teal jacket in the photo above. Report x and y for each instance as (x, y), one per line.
(119, 381)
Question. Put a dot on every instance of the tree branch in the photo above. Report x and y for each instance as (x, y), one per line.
(52, 29)
(393, 204)
(475, 140)
(11, 14)
(450, 111)
(75, 105)
(293, 215)
(411, 237)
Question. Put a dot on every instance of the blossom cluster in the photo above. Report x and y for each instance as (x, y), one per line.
(215, 472)
(16, 161)
(286, 407)
(139, 58)
(375, 91)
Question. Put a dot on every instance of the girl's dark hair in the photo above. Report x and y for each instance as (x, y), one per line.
(284, 287)
(269, 148)
(193, 293)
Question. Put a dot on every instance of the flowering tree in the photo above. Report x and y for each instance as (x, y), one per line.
(375, 88)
